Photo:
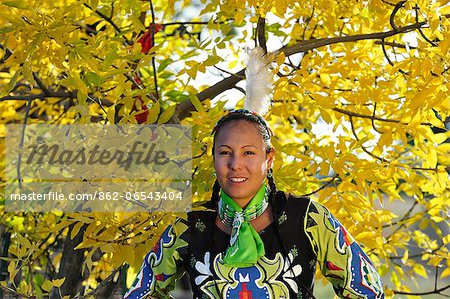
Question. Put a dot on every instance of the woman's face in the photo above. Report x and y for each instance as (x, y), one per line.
(240, 160)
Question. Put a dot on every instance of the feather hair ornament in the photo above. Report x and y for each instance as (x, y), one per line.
(258, 86)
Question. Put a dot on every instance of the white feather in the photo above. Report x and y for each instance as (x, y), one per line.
(258, 86)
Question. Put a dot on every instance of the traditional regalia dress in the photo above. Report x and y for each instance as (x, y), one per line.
(303, 235)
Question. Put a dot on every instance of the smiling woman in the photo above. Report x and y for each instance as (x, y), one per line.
(252, 240)
(241, 160)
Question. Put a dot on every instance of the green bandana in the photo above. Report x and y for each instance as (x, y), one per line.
(246, 246)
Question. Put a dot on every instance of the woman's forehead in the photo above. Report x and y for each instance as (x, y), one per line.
(239, 132)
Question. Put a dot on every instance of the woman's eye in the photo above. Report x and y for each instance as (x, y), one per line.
(224, 153)
(249, 153)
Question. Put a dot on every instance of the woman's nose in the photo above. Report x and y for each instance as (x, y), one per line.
(235, 163)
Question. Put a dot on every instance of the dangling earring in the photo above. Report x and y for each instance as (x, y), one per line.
(270, 173)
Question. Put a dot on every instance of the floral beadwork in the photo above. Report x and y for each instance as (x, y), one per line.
(294, 251)
(282, 218)
(200, 226)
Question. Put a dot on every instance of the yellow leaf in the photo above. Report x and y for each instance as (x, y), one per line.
(326, 79)
(405, 257)
(110, 114)
(47, 285)
(420, 270)
(280, 59)
(446, 239)
(445, 10)
(445, 273)
(440, 137)
(395, 280)
(24, 242)
(76, 229)
(324, 101)
(12, 270)
(324, 168)
(153, 113)
(326, 116)
(13, 81)
(431, 159)
(58, 282)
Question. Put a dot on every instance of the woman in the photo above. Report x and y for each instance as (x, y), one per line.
(251, 240)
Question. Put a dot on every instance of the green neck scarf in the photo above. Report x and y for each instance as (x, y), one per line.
(246, 246)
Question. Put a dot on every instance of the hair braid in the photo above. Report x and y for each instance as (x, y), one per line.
(273, 193)
(215, 196)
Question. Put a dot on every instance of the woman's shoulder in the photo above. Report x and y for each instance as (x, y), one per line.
(292, 203)
(299, 203)
(201, 211)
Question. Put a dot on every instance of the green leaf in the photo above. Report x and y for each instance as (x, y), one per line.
(166, 115)
(109, 59)
(196, 102)
(93, 78)
(17, 4)
(6, 30)
(13, 81)
(163, 64)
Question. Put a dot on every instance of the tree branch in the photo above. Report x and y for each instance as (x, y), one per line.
(110, 21)
(40, 96)
(395, 45)
(261, 33)
(394, 12)
(355, 114)
(388, 3)
(22, 138)
(362, 146)
(416, 10)
(383, 47)
(194, 23)
(183, 109)
(304, 46)
(322, 187)
(225, 71)
(435, 291)
(307, 21)
(418, 255)
(373, 121)
(155, 75)
(40, 84)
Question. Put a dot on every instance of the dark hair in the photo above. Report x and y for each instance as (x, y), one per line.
(247, 115)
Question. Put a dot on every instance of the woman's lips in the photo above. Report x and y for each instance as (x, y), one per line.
(237, 180)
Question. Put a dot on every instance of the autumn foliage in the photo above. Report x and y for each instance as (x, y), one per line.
(361, 116)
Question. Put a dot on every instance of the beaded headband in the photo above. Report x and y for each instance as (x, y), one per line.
(244, 112)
